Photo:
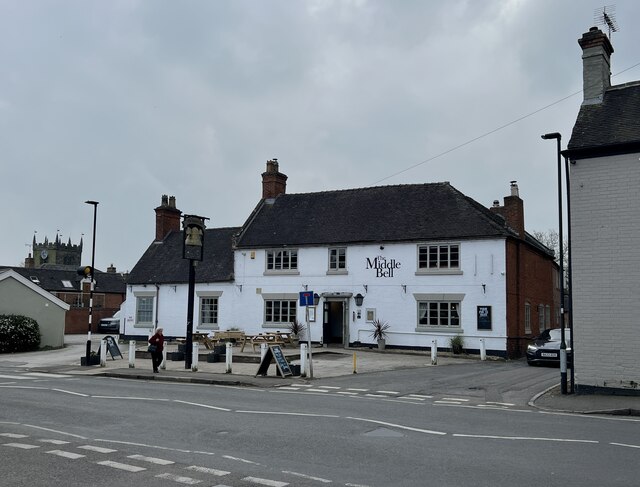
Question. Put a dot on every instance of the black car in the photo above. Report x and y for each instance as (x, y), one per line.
(545, 348)
(109, 325)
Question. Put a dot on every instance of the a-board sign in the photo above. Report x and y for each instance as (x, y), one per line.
(112, 347)
(274, 352)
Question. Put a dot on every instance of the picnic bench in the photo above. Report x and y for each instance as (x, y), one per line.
(276, 338)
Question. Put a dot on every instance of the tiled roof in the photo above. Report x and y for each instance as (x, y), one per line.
(610, 126)
(411, 212)
(162, 263)
(53, 279)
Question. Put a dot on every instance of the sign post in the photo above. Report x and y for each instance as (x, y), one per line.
(306, 300)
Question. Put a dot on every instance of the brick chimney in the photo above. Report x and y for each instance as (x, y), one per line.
(596, 65)
(111, 269)
(167, 217)
(29, 262)
(512, 211)
(274, 183)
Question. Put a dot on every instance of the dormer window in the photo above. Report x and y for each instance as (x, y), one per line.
(67, 284)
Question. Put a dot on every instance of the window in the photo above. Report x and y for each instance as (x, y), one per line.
(439, 313)
(144, 309)
(547, 315)
(439, 257)
(279, 311)
(208, 311)
(338, 260)
(541, 317)
(67, 284)
(527, 318)
(282, 260)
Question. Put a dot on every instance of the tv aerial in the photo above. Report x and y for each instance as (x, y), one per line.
(606, 16)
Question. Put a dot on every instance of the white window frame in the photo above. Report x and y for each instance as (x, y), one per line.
(334, 264)
(527, 318)
(448, 306)
(140, 296)
(426, 266)
(286, 259)
(541, 321)
(202, 295)
(270, 299)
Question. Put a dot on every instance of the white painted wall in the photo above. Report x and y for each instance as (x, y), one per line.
(606, 270)
(241, 304)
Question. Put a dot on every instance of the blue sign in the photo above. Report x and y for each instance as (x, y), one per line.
(306, 298)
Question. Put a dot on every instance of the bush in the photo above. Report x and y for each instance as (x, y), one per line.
(18, 334)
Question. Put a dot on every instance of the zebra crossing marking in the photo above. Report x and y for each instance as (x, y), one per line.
(66, 454)
(121, 466)
(179, 479)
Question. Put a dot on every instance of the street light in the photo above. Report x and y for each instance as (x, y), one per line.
(193, 228)
(91, 275)
(563, 343)
(567, 178)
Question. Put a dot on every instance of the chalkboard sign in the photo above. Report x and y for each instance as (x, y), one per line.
(112, 347)
(274, 352)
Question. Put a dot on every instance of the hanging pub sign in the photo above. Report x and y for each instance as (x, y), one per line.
(484, 317)
(384, 267)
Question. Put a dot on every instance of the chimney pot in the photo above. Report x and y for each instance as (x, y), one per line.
(167, 217)
(274, 183)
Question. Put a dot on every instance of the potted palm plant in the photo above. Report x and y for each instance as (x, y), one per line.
(379, 332)
(457, 344)
(296, 330)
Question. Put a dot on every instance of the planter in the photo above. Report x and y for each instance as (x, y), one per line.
(93, 360)
(213, 358)
(175, 356)
(220, 349)
(295, 369)
(382, 343)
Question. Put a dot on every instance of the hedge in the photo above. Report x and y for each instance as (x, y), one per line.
(18, 334)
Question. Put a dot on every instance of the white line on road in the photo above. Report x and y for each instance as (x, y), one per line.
(97, 449)
(625, 445)
(66, 454)
(202, 405)
(387, 392)
(13, 435)
(19, 377)
(22, 446)
(305, 476)
(144, 445)
(157, 461)
(131, 398)
(44, 374)
(121, 466)
(237, 459)
(316, 390)
(356, 390)
(530, 438)
(178, 478)
(329, 387)
(501, 403)
(348, 393)
(454, 399)
(399, 426)
(270, 483)
(71, 392)
(55, 431)
(54, 442)
(279, 413)
(212, 471)
(419, 396)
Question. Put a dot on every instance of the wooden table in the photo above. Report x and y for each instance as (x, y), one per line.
(268, 338)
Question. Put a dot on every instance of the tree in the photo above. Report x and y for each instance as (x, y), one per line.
(550, 238)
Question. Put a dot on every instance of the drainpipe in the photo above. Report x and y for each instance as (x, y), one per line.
(155, 325)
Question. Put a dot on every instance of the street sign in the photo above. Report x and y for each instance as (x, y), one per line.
(306, 298)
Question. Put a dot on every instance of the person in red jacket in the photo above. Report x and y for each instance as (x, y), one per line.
(157, 340)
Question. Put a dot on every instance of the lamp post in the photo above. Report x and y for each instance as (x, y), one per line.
(572, 390)
(91, 275)
(193, 227)
(563, 343)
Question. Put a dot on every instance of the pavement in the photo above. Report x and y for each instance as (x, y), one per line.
(327, 362)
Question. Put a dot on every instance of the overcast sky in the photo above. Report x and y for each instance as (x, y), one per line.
(124, 101)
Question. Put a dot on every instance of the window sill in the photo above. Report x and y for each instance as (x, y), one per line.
(294, 272)
(337, 272)
(439, 272)
(439, 329)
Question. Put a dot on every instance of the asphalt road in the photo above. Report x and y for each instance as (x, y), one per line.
(456, 426)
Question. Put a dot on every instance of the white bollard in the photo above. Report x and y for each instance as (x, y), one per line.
(263, 351)
(163, 364)
(229, 357)
(303, 360)
(434, 352)
(132, 354)
(103, 353)
(483, 350)
(194, 358)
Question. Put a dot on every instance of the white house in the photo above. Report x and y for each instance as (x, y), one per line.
(427, 259)
(604, 152)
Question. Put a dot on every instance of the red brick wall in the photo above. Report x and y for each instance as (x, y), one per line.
(77, 319)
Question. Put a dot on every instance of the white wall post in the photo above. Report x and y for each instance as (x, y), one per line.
(163, 364)
(483, 350)
(303, 359)
(263, 351)
(229, 357)
(132, 354)
(103, 353)
(434, 352)
(194, 357)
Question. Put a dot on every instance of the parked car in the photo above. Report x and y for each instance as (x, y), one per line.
(110, 325)
(545, 348)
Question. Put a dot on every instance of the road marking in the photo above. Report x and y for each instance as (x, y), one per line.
(22, 446)
(329, 387)
(413, 398)
(179, 479)
(399, 426)
(623, 444)
(144, 445)
(98, 449)
(317, 390)
(387, 392)
(531, 438)
(375, 395)
(278, 413)
(454, 399)
(121, 466)
(202, 405)
(270, 483)
(157, 461)
(44, 374)
(20, 377)
(13, 435)
(66, 454)
(55, 431)
(71, 392)
(501, 403)
(131, 398)
(419, 396)
(212, 471)
(304, 476)
(54, 442)
(348, 393)
(448, 402)
(228, 457)
(356, 390)
(288, 388)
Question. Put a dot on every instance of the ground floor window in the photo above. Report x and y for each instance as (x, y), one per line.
(278, 311)
(527, 318)
(208, 311)
(144, 310)
(439, 314)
